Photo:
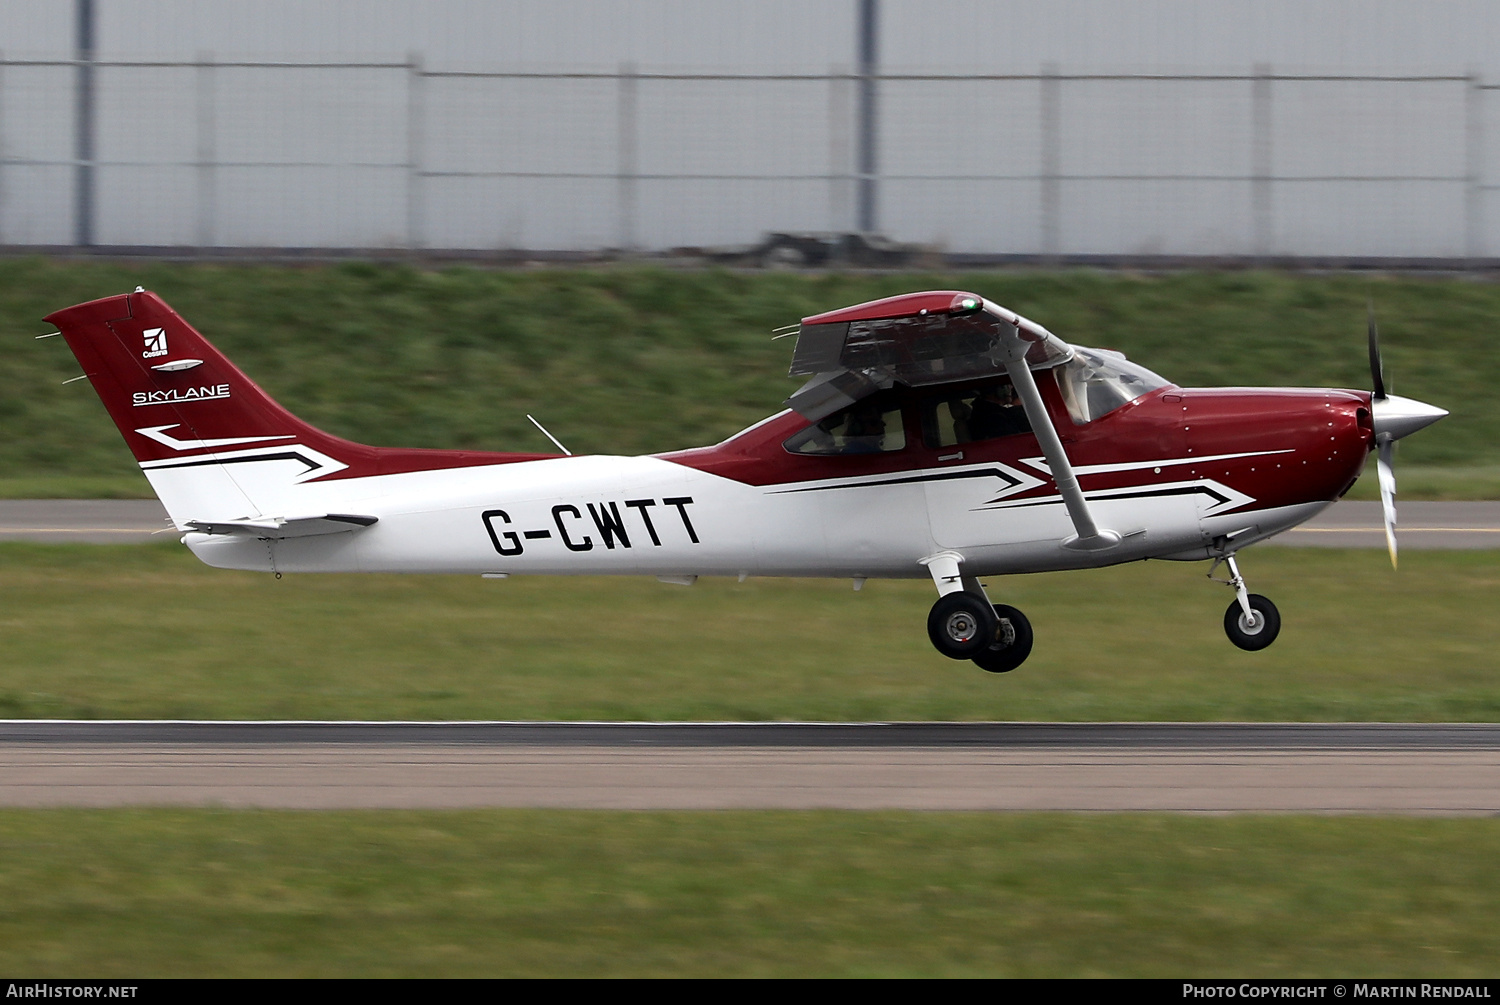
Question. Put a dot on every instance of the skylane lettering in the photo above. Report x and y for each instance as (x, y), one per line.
(582, 528)
(179, 394)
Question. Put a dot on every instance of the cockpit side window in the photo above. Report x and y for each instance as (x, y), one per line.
(1095, 382)
(977, 413)
(862, 428)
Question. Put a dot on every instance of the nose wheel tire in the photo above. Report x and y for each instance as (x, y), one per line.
(961, 625)
(1252, 635)
(1012, 642)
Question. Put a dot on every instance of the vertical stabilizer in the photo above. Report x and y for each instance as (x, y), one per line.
(212, 443)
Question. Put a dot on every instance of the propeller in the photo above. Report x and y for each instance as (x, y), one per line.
(1385, 445)
(1393, 417)
(1377, 370)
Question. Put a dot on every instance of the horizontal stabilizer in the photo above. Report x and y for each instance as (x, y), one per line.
(277, 528)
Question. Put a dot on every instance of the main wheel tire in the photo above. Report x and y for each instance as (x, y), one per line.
(1257, 636)
(1012, 642)
(961, 625)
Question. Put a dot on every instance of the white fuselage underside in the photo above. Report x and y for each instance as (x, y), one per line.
(644, 515)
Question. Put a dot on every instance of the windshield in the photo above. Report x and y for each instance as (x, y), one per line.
(1095, 382)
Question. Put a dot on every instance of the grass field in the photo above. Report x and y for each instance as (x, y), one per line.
(148, 632)
(633, 359)
(180, 893)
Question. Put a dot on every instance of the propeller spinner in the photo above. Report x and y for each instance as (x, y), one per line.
(1393, 417)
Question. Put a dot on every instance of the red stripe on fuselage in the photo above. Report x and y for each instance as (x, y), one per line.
(1309, 445)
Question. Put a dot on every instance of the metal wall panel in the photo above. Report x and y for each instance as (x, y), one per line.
(1079, 127)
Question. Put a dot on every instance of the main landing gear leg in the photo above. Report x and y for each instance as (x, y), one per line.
(964, 625)
(1252, 622)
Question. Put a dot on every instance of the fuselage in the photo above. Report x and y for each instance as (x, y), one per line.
(938, 435)
(1177, 472)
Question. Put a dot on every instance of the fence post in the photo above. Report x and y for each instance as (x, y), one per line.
(415, 110)
(207, 195)
(1260, 160)
(1051, 194)
(626, 168)
(1474, 243)
(869, 114)
(83, 140)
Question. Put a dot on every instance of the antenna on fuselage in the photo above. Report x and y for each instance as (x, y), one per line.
(556, 442)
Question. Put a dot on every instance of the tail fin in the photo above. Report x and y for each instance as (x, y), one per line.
(214, 445)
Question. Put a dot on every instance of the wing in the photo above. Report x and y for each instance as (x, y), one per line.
(279, 527)
(916, 339)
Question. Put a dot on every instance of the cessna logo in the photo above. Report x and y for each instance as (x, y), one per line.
(180, 394)
(156, 342)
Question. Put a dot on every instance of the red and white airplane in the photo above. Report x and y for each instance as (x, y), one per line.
(939, 435)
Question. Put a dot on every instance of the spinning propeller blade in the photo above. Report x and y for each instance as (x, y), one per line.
(1377, 370)
(1393, 418)
(1385, 445)
(1387, 473)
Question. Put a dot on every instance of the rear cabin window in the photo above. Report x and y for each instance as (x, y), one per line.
(982, 413)
(862, 428)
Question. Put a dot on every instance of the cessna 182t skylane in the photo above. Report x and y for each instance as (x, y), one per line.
(939, 435)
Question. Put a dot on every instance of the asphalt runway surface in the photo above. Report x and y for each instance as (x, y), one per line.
(1343, 525)
(1201, 768)
(1440, 770)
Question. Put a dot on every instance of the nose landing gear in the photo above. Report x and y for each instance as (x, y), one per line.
(1252, 622)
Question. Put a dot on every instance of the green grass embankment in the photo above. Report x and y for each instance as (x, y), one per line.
(505, 893)
(147, 632)
(633, 359)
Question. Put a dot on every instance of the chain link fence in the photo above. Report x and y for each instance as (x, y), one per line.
(388, 155)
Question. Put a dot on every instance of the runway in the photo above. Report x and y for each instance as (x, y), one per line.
(1424, 525)
(1421, 525)
(83, 521)
(1196, 768)
(1441, 769)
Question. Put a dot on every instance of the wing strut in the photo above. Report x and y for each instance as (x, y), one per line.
(1089, 537)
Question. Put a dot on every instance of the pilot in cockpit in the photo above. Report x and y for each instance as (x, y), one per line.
(865, 432)
(997, 412)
